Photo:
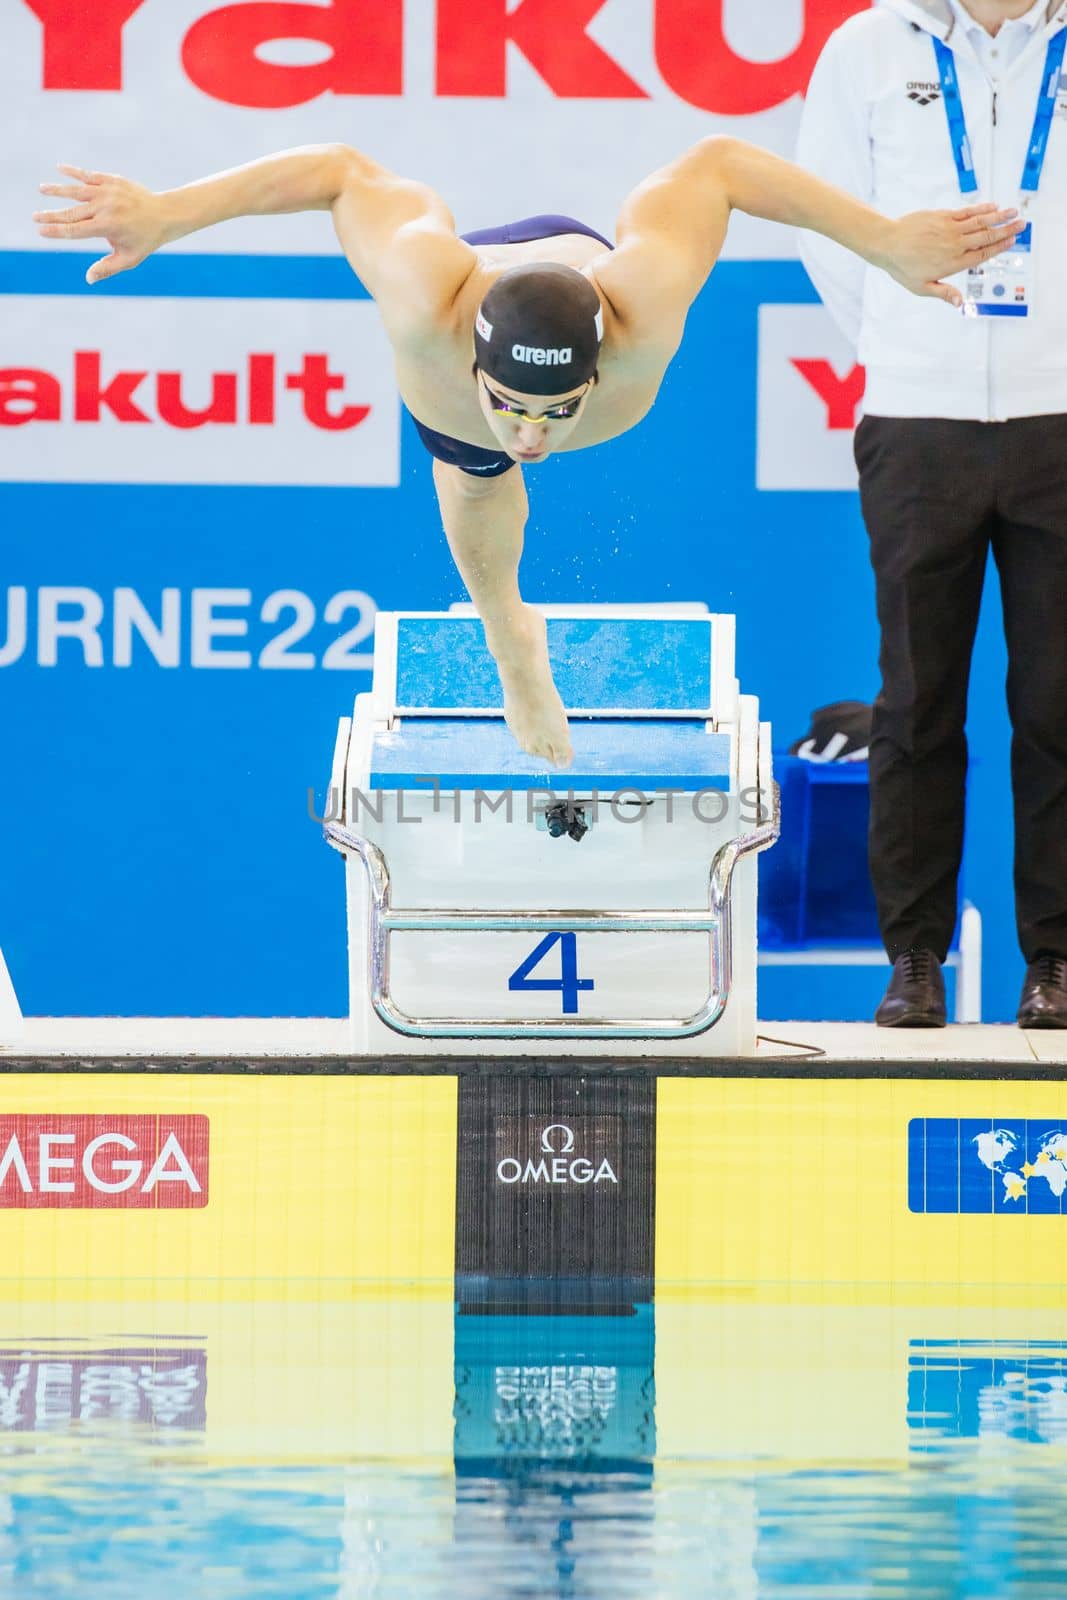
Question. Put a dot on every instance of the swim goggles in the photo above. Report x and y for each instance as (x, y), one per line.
(561, 413)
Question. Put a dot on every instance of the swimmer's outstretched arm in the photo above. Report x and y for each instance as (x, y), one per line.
(484, 521)
(672, 227)
(398, 235)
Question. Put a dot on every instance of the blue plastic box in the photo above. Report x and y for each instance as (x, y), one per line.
(815, 886)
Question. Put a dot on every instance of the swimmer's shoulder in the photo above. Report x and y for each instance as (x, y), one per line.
(639, 339)
(433, 276)
(405, 251)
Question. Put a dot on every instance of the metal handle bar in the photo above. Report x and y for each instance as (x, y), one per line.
(383, 921)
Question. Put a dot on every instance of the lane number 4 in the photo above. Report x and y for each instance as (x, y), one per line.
(567, 985)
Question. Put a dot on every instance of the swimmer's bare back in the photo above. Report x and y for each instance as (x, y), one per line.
(400, 239)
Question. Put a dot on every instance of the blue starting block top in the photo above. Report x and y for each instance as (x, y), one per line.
(480, 753)
(642, 666)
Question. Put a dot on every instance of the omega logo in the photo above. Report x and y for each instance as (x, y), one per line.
(557, 1142)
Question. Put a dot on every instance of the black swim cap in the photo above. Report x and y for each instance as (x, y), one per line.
(539, 328)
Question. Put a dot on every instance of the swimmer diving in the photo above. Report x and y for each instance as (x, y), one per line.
(519, 341)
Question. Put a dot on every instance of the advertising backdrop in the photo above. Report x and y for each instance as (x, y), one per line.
(208, 485)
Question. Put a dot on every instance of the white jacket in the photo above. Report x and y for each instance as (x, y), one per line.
(862, 130)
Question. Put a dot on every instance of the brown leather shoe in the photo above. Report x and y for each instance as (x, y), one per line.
(1043, 1003)
(915, 997)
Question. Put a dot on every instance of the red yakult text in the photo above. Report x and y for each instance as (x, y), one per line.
(841, 393)
(82, 48)
(33, 394)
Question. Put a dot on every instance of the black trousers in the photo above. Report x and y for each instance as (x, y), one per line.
(937, 496)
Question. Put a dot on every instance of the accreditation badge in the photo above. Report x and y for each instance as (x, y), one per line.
(1002, 287)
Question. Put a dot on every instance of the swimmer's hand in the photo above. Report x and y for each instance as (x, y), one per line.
(130, 217)
(533, 709)
(927, 246)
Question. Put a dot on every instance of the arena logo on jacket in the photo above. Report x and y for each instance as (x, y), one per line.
(924, 94)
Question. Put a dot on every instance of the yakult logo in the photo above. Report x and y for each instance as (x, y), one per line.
(543, 358)
(196, 391)
(32, 394)
(557, 1142)
(810, 400)
(90, 1162)
(226, 51)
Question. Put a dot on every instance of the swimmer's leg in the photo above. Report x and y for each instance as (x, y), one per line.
(484, 520)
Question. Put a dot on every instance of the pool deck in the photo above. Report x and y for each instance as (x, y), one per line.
(309, 1044)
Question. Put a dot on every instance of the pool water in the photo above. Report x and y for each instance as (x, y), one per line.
(732, 1449)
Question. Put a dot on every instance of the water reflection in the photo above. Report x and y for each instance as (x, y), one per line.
(739, 1451)
(999, 1391)
(577, 1392)
(554, 1446)
(56, 1387)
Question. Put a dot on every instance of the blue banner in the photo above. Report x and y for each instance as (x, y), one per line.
(987, 1166)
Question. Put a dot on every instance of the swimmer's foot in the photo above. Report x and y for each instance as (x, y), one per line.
(533, 709)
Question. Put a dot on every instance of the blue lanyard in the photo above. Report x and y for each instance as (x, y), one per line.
(957, 121)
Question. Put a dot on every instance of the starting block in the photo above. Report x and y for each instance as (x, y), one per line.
(545, 911)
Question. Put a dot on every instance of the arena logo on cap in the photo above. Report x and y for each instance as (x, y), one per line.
(84, 1162)
(543, 358)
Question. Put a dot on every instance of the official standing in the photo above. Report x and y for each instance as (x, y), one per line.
(962, 450)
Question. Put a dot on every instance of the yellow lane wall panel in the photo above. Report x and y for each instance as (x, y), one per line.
(792, 1182)
(350, 1181)
(311, 1179)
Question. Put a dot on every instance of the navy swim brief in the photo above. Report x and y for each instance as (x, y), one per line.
(471, 457)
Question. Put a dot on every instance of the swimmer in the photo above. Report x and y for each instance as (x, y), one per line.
(520, 341)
